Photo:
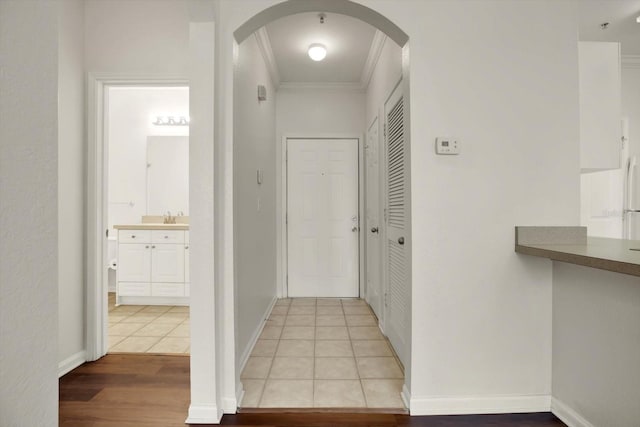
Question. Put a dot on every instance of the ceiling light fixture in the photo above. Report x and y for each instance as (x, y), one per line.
(317, 51)
(638, 19)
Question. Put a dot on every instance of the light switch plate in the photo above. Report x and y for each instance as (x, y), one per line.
(447, 146)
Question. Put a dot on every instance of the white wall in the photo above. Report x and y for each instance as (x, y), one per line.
(71, 178)
(29, 213)
(596, 348)
(130, 116)
(255, 205)
(509, 91)
(137, 36)
(308, 112)
(384, 78)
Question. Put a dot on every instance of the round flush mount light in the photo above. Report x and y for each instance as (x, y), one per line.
(317, 52)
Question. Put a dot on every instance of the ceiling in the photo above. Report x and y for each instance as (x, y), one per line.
(621, 16)
(348, 41)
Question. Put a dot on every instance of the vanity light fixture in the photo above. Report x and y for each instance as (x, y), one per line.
(638, 19)
(171, 121)
(317, 51)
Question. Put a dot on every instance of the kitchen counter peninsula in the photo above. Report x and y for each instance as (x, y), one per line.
(594, 323)
(573, 246)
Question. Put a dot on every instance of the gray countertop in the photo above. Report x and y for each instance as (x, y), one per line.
(150, 226)
(597, 252)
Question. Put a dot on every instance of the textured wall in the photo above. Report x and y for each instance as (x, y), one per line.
(71, 189)
(28, 213)
(596, 345)
(254, 205)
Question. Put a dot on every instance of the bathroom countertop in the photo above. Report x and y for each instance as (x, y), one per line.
(597, 252)
(151, 226)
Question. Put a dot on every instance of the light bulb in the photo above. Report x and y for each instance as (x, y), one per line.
(317, 52)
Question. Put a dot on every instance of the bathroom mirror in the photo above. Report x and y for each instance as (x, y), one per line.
(167, 175)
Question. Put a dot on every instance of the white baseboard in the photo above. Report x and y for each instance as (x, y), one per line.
(568, 415)
(71, 362)
(229, 405)
(254, 338)
(405, 395)
(239, 396)
(204, 414)
(479, 405)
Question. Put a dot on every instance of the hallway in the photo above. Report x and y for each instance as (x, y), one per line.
(323, 353)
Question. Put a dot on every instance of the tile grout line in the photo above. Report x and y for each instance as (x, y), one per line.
(355, 360)
(264, 387)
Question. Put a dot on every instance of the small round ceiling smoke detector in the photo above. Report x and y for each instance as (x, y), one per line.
(604, 25)
(317, 52)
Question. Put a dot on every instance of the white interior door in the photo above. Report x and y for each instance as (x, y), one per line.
(322, 217)
(372, 220)
(397, 293)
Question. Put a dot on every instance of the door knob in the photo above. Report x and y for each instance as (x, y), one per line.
(374, 229)
(401, 240)
(354, 229)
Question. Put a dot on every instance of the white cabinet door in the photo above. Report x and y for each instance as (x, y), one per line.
(167, 263)
(134, 261)
(600, 105)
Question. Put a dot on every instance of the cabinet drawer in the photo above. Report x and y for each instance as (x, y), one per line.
(167, 236)
(167, 289)
(134, 236)
(134, 289)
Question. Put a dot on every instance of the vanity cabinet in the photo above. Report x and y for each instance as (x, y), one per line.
(600, 105)
(153, 267)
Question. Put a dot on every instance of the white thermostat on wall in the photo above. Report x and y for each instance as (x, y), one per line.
(447, 145)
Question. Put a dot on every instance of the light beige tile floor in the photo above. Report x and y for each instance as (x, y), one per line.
(322, 353)
(148, 328)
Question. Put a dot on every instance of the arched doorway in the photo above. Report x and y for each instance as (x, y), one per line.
(250, 266)
(229, 356)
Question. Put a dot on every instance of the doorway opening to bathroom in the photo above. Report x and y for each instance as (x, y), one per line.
(142, 297)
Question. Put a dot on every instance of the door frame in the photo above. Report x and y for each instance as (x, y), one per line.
(281, 213)
(96, 279)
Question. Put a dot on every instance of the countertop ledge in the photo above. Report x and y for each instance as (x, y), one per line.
(596, 252)
(149, 226)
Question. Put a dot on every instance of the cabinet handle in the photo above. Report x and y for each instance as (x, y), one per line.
(186, 247)
(153, 246)
(166, 237)
(147, 247)
(133, 236)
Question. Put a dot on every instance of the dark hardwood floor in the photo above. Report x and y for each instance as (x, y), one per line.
(122, 390)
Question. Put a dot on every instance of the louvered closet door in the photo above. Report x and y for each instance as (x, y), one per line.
(397, 296)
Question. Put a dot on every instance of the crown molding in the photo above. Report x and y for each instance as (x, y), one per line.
(264, 43)
(321, 86)
(631, 61)
(372, 60)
